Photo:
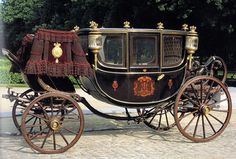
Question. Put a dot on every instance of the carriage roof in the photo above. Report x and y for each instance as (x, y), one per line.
(130, 30)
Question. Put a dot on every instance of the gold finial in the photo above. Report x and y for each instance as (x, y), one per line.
(75, 29)
(93, 25)
(193, 29)
(57, 51)
(126, 24)
(185, 27)
(160, 26)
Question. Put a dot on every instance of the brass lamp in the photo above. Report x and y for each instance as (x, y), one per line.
(191, 44)
(94, 41)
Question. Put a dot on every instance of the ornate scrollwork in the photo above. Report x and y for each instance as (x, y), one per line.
(126, 24)
(193, 29)
(75, 29)
(57, 51)
(185, 27)
(144, 86)
(160, 26)
(93, 25)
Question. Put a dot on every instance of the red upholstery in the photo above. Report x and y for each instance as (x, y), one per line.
(72, 62)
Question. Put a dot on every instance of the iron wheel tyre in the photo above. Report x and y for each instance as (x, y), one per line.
(207, 111)
(62, 123)
(20, 106)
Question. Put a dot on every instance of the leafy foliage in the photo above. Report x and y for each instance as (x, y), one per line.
(7, 77)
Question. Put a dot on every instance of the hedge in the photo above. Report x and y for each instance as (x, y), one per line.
(9, 78)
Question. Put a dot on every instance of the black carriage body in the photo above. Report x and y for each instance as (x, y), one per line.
(135, 67)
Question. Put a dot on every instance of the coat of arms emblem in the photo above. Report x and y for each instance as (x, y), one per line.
(144, 86)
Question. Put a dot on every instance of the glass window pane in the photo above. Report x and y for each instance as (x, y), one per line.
(172, 50)
(144, 51)
(112, 50)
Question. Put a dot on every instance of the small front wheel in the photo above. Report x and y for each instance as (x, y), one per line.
(58, 123)
(203, 108)
(20, 105)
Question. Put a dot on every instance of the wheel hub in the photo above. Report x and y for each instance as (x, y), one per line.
(205, 109)
(55, 124)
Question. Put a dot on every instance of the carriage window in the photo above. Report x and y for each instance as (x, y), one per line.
(172, 50)
(112, 50)
(144, 50)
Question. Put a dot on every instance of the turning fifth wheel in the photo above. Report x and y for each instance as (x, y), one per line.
(60, 125)
(160, 117)
(203, 108)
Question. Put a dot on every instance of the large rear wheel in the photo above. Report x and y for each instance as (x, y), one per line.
(203, 108)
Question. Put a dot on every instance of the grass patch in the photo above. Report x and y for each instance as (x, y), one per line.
(13, 85)
(231, 76)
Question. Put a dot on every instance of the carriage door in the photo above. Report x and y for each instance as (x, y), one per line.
(144, 52)
(143, 63)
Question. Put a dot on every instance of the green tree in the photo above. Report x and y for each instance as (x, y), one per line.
(215, 19)
(26, 16)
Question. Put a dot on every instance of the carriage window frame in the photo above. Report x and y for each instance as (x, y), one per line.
(123, 49)
(156, 52)
(181, 52)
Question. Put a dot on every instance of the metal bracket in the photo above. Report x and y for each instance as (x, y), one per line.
(11, 95)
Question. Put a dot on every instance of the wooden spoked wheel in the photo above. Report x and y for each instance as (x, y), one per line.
(20, 105)
(158, 118)
(203, 108)
(60, 123)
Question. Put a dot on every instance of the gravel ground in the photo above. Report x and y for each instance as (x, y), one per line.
(105, 139)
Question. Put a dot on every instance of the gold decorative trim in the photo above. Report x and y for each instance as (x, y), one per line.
(160, 26)
(193, 29)
(134, 30)
(93, 25)
(140, 73)
(57, 51)
(160, 77)
(75, 29)
(185, 27)
(126, 24)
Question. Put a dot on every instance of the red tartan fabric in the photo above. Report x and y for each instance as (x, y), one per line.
(72, 62)
(23, 51)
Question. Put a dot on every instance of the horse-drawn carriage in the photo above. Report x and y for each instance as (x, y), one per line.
(151, 71)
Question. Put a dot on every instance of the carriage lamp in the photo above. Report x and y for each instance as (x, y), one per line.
(94, 41)
(191, 43)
